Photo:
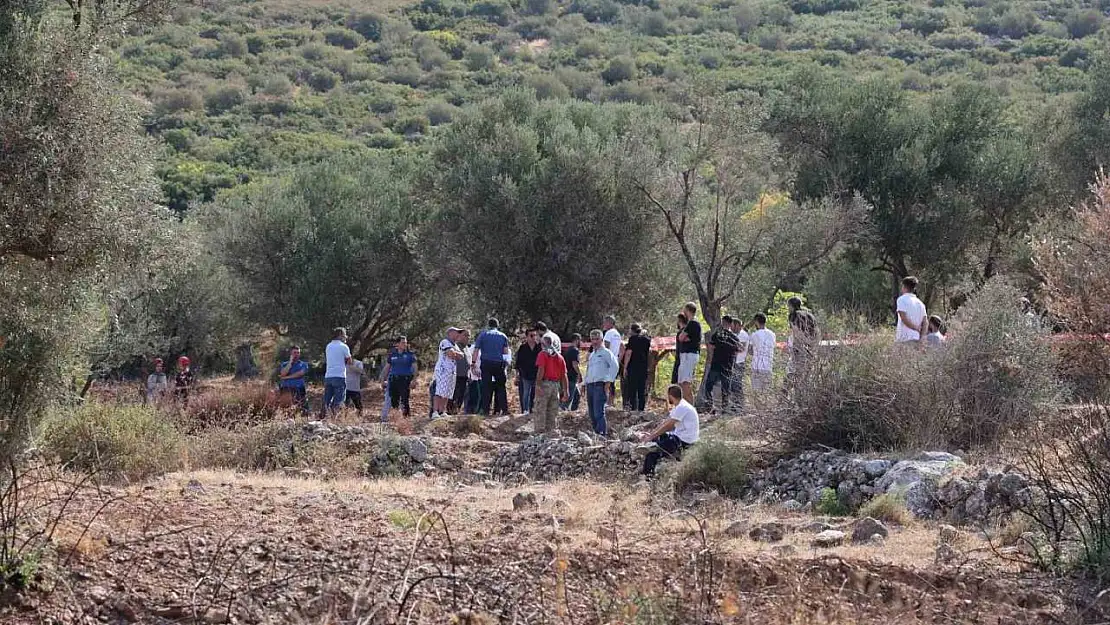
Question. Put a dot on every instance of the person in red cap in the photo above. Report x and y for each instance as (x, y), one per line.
(157, 385)
(183, 381)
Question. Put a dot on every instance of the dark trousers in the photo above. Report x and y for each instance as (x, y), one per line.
(354, 398)
(473, 396)
(493, 385)
(573, 397)
(455, 405)
(724, 376)
(596, 394)
(670, 446)
(635, 390)
(399, 388)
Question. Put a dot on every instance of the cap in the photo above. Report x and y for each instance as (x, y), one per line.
(184, 360)
(454, 329)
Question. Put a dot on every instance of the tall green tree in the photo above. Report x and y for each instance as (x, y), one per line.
(534, 219)
(328, 246)
(76, 197)
(916, 162)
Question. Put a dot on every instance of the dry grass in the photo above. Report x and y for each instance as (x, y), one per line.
(888, 508)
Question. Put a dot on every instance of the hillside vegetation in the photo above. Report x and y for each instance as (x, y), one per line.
(242, 88)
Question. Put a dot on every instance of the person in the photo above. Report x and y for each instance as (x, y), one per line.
(635, 365)
(490, 349)
(444, 374)
(804, 338)
(462, 369)
(689, 351)
(674, 435)
(739, 368)
(574, 375)
(355, 371)
(614, 343)
(183, 382)
(913, 318)
(551, 377)
(473, 400)
(544, 332)
(721, 348)
(291, 381)
(763, 357)
(157, 384)
(601, 371)
(397, 377)
(936, 337)
(337, 355)
(678, 333)
(525, 367)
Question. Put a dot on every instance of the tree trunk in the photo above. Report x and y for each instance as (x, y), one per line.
(245, 366)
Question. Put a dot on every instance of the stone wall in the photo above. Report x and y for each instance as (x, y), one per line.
(933, 484)
(550, 457)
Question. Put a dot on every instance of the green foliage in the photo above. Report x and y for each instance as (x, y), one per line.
(268, 236)
(131, 442)
(75, 193)
(519, 183)
(714, 464)
(829, 504)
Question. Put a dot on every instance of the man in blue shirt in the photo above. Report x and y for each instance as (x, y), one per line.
(490, 349)
(601, 370)
(292, 379)
(400, 370)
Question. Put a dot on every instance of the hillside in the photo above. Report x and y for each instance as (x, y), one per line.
(240, 88)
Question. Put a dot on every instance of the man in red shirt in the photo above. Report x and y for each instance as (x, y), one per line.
(552, 387)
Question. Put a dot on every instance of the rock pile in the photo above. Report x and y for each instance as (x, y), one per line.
(549, 457)
(933, 484)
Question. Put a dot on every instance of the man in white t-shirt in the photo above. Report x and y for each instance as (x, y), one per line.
(740, 367)
(912, 316)
(678, 431)
(762, 343)
(613, 341)
(337, 356)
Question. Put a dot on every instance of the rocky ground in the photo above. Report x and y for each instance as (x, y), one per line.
(479, 522)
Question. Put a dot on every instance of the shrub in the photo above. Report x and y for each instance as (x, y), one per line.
(993, 378)
(223, 99)
(1083, 22)
(888, 508)
(236, 406)
(440, 113)
(132, 442)
(547, 87)
(829, 504)
(1068, 462)
(322, 80)
(714, 464)
(369, 25)
(343, 38)
(266, 447)
(620, 69)
(176, 100)
(479, 58)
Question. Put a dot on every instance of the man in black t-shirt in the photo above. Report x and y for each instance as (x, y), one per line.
(689, 351)
(572, 356)
(637, 362)
(722, 348)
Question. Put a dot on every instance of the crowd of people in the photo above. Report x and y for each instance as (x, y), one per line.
(473, 377)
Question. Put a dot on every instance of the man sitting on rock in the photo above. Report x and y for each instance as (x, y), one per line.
(677, 432)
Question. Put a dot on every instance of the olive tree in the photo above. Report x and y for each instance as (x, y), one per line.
(328, 246)
(711, 181)
(533, 219)
(76, 194)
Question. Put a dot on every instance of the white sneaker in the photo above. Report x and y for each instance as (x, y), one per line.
(435, 415)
